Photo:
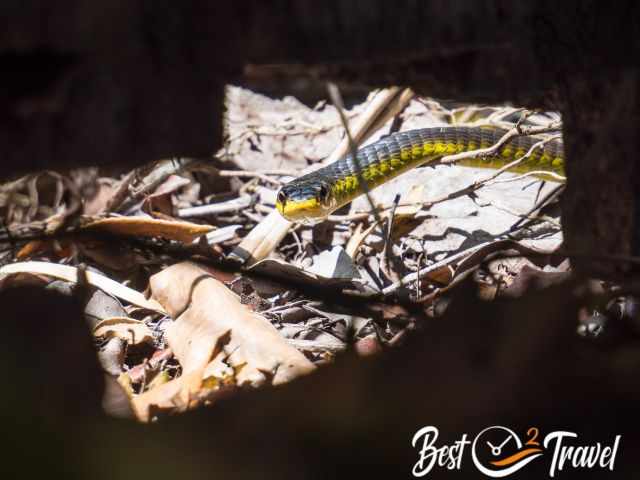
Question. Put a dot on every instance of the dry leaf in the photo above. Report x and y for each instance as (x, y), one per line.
(70, 274)
(150, 227)
(174, 396)
(133, 331)
(208, 313)
(32, 248)
(214, 334)
(334, 263)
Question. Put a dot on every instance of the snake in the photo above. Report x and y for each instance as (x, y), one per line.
(312, 197)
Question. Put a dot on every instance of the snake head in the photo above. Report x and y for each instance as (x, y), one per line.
(305, 201)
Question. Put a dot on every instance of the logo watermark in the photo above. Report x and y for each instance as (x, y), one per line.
(498, 451)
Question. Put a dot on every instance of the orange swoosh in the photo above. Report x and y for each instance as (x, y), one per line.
(515, 457)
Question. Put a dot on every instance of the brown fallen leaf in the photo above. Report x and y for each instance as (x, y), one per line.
(32, 248)
(133, 331)
(149, 227)
(217, 340)
(59, 248)
(206, 312)
(174, 396)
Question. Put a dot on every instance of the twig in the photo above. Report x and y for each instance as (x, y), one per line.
(251, 173)
(336, 98)
(222, 234)
(533, 173)
(489, 151)
(548, 198)
(158, 174)
(120, 195)
(421, 273)
(523, 216)
(392, 274)
(256, 174)
(377, 111)
(233, 205)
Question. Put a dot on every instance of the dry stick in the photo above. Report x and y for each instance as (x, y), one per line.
(121, 192)
(254, 174)
(533, 173)
(336, 98)
(487, 152)
(233, 205)
(546, 200)
(523, 216)
(412, 277)
(386, 251)
(32, 187)
(154, 178)
(379, 110)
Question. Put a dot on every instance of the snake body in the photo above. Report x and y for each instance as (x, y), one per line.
(313, 196)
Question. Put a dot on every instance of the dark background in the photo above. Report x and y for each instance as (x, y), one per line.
(125, 82)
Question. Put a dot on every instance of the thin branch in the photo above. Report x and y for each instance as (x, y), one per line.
(264, 176)
(490, 151)
(233, 205)
(253, 173)
(121, 193)
(544, 201)
(533, 173)
(336, 98)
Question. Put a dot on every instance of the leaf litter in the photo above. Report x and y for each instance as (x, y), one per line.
(198, 288)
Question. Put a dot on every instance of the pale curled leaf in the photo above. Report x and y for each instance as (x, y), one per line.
(133, 331)
(70, 274)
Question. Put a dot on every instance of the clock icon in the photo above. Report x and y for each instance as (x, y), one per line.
(497, 451)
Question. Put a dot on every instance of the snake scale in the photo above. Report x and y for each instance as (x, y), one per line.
(314, 196)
